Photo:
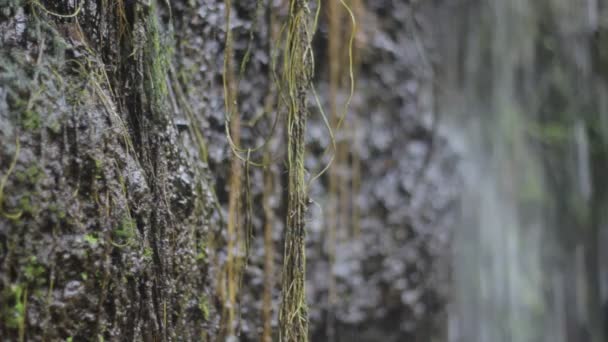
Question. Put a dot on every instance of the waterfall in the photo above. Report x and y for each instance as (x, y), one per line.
(523, 92)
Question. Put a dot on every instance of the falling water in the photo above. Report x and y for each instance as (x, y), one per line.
(524, 100)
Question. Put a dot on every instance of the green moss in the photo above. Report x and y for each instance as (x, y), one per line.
(30, 120)
(202, 251)
(98, 168)
(155, 63)
(27, 206)
(91, 239)
(32, 175)
(148, 253)
(34, 272)
(14, 313)
(125, 233)
(203, 306)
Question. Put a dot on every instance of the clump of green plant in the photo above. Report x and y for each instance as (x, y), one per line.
(32, 174)
(30, 120)
(98, 169)
(124, 234)
(203, 306)
(148, 253)
(202, 251)
(14, 315)
(91, 239)
(27, 205)
(34, 271)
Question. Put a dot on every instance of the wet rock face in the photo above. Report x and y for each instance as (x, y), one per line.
(392, 281)
(114, 191)
(103, 214)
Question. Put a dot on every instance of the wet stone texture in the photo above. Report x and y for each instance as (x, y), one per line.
(112, 218)
(392, 281)
(104, 212)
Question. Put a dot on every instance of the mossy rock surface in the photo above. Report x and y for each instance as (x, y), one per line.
(105, 211)
(112, 215)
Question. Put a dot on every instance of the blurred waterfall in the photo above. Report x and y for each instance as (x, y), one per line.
(523, 97)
